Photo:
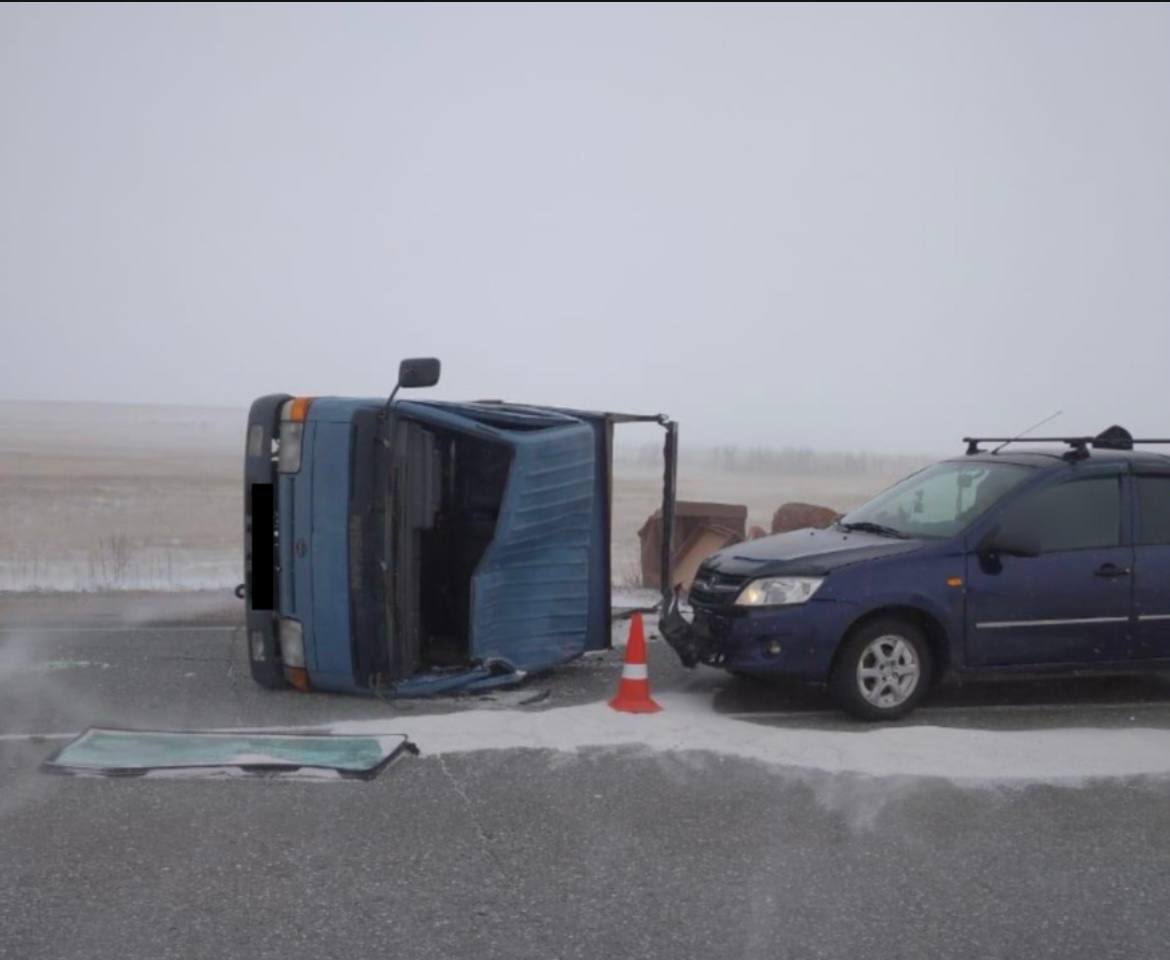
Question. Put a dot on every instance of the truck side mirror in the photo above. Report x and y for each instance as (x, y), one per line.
(1008, 544)
(418, 372)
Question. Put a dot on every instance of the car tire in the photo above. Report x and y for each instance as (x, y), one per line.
(883, 670)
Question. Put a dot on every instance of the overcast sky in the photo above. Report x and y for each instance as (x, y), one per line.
(829, 225)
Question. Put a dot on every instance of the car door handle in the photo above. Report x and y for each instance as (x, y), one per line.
(1111, 570)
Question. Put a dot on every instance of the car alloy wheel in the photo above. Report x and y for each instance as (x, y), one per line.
(888, 671)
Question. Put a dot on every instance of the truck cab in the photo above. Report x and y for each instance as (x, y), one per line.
(412, 547)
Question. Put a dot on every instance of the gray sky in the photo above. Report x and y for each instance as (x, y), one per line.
(843, 226)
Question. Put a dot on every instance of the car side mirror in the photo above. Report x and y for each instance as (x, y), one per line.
(418, 372)
(1006, 543)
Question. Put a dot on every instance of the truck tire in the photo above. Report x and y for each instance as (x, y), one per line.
(883, 670)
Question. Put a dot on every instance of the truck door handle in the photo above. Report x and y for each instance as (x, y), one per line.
(1111, 570)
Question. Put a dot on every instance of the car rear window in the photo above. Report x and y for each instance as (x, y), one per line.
(1153, 510)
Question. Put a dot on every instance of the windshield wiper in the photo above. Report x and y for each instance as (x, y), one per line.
(865, 526)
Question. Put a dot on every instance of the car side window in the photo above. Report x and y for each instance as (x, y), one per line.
(1075, 515)
(1153, 495)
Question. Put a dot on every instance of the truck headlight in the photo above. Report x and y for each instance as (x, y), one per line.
(778, 591)
(292, 641)
(292, 429)
(289, 458)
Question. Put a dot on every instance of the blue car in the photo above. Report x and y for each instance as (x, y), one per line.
(406, 548)
(1003, 560)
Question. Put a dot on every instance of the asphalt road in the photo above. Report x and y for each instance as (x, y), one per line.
(528, 853)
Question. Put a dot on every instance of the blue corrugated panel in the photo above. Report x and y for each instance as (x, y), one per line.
(531, 591)
(330, 634)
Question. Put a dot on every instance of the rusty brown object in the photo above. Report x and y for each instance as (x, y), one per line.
(699, 530)
(799, 516)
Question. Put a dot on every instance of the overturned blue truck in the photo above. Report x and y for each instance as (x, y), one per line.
(407, 548)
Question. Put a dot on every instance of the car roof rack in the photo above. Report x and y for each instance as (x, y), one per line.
(1113, 438)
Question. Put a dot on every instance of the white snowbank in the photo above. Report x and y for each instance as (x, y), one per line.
(687, 723)
(172, 570)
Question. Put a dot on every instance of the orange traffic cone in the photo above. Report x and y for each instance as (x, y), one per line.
(633, 692)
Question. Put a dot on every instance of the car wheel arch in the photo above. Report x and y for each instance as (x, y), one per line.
(932, 628)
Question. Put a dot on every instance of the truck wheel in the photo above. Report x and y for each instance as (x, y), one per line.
(882, 671)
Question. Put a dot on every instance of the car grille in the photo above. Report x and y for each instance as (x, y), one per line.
(711, 589)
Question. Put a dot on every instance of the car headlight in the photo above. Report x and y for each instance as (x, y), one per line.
(778, 591)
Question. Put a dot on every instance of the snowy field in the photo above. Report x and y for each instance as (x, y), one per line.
(100, 497)
(105, 497)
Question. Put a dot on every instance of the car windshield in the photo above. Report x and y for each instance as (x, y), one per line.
(937, 502)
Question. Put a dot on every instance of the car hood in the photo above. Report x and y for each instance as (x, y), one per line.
(815, 552)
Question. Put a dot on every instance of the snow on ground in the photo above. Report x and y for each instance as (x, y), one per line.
(146, 569)
(687, 723)
(98, 497)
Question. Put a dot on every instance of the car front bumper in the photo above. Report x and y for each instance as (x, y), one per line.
(796, 641)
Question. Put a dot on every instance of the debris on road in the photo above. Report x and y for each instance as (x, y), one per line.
(699, 530)
(799, 516)
(107, 752)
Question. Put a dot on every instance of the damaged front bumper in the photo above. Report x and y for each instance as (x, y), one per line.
(796, 641)
(691, 641)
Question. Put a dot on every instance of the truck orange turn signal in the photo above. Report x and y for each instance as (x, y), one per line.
(298, 408)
